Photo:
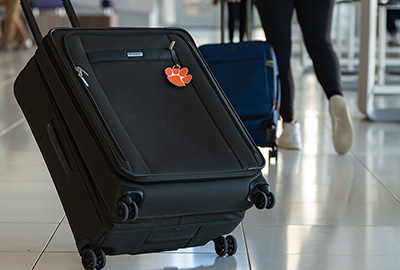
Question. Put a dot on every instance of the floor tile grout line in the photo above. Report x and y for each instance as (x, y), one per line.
(246, 246)
(376, 178)
(48, 242)
(12, 126)
(325, 226)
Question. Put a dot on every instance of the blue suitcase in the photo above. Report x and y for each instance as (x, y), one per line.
(248, 74)
(46, 4)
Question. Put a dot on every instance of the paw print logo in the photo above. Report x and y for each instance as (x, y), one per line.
(178, 76)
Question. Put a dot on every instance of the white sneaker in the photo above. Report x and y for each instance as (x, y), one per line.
(342, 127)
(290, 137)
(394, 41)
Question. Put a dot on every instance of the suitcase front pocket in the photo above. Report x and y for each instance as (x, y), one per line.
(169, 125)
(157, 128)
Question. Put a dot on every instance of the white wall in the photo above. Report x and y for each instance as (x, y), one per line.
(141, 6)
(131, 12)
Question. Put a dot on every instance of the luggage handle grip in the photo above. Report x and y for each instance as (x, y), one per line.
(55, 143)
(37, 35)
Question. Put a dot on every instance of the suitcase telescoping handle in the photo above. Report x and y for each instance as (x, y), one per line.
(27, 9)
(71, 13)
(37, 35)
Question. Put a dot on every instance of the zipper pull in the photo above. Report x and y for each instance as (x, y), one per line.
(81, 74)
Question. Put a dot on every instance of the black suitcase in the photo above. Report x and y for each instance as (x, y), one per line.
(144, 149)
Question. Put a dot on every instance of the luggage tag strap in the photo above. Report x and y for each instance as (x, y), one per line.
(173, 53)
(176, 75)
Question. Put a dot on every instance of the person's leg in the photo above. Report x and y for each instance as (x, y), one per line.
(316, 28)
(232, 10)
(391, 21)
(242, 19)
(276, 18)
(315, 19)
(392, 16)
(10, 28)
(21, 34)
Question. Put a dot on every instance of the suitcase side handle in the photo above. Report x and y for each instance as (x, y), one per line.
(26, 8)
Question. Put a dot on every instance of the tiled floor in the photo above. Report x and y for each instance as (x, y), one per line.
(333, 212)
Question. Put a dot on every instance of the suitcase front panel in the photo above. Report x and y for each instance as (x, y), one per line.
(173, 130)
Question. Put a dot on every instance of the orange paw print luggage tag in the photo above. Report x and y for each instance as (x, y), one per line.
(176, 75)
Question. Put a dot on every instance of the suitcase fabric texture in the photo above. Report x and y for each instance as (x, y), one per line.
(144, 149)
(248, 74)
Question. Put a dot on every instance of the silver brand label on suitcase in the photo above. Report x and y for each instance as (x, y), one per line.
(134, 54)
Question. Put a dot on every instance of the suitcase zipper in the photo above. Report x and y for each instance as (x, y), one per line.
(124, 162)
(81, 74)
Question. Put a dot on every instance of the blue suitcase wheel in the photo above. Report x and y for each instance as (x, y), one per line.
(273, 153)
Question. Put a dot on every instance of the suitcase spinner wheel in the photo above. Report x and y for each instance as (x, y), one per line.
(232, 245)
(225, 245)
(101, 258)
(273, 153)
(263, 200)
(220, 245)
(270, 134)
(93, 259)
(128, 208)
(262, 197)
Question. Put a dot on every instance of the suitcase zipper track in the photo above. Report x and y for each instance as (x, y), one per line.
(81, 74)
(117, 152)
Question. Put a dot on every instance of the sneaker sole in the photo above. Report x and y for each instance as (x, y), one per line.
(293, 141)
(289, 147)
(342, 127)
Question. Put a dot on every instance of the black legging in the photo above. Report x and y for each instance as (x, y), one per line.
(237, 12)
(315, 19)
(392, 16)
